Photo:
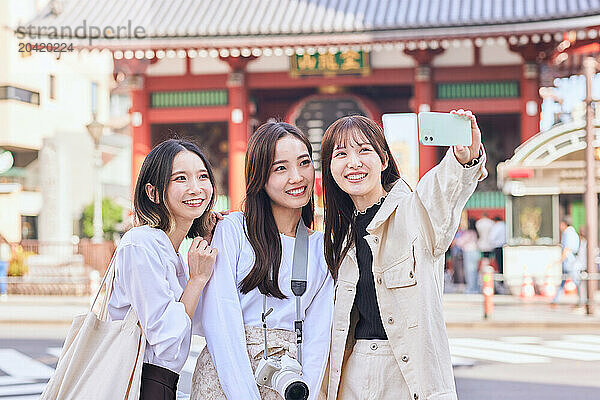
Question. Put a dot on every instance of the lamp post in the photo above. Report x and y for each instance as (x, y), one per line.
(591, 199)
(95, 129)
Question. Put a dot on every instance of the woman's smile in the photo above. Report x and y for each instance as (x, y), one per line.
(297, 192)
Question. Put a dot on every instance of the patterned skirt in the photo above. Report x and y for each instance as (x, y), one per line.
(205, 381)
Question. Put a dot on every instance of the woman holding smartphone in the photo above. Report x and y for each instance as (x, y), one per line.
(385, 246)
(253, 274)
(173, 198)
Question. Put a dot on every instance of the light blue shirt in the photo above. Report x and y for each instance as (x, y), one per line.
(569, 240)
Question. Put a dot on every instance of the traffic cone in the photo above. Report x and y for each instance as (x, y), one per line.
(570, 287)
(549, 289)
(488, 290)
(527, 289)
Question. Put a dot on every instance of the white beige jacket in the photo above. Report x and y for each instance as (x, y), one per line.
(408, 238)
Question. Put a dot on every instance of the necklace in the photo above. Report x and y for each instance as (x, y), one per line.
(357, 213)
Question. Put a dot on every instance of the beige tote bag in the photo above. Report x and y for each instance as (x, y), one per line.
(101, 359)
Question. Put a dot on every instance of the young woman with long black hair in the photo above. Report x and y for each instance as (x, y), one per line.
(255, 260)
(173, 198)
(385, 245)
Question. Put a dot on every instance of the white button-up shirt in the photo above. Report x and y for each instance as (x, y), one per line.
(223, 310)
(150, 277)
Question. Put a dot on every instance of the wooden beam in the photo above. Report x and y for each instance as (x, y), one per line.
(480, 106)
(184, 115)
(186, 82)
(480, 73)
(381, 77)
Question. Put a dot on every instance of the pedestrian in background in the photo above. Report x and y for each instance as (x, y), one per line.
(570, 247)
(456, 260)
(581, 265)
(483, 226)
(458, 270)
(5, 256)
(497, 241)
(468, 243)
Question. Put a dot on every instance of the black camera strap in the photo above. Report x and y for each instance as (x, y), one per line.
(299, 282)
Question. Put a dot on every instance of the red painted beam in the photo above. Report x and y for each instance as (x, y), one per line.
(387, 76)
(479, 73)
(382, 76)
(480, 106)
(185, 82)
(184, 115)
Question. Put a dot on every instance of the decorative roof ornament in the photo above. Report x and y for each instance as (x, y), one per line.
(56, 7)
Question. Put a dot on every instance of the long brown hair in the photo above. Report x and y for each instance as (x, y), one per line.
(156, 170)
(261, 228)
(339, 208)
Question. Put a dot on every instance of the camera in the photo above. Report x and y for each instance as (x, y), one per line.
(284, 375)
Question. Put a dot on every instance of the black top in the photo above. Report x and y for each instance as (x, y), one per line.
(369, 324)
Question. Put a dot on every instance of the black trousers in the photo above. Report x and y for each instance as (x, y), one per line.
(158, 383)
(499, 259)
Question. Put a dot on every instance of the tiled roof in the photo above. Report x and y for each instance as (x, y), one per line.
(392, 19)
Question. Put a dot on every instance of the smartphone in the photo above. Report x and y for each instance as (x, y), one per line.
(400, 126)
(444, 129)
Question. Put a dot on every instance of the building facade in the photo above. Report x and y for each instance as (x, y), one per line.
(46, 101)
(214, 70)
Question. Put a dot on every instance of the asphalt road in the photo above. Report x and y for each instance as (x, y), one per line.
(505, 364)
(530, 364)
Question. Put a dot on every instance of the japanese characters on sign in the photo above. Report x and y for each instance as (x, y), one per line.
(340, 63)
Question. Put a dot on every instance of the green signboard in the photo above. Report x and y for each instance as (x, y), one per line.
(192, 98)
(478, 90)
(328, 64)
(488, 199)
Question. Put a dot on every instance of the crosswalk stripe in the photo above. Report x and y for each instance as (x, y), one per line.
(525, 348)
(11, 380)
(34, 388)
(564, 344)
(35, 397)
(491, 355)
(18, 364)
(460, 361)
(584, 338)
(521, 339)
(54, 351)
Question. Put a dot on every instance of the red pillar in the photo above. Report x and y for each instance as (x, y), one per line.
(238, 137)
(140, 131)
(130, 73)
(238, 129)
(531, 100)
(423, 100)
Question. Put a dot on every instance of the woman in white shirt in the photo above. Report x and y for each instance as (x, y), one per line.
(255, 257)
(173, 198)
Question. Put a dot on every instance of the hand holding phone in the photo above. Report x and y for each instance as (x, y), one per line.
(465, 154)
(444, 129)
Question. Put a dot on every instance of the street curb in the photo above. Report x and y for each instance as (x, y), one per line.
(523, 325)
(34, 322)
(449, 325)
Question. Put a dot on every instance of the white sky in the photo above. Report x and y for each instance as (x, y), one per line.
(572, 91)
